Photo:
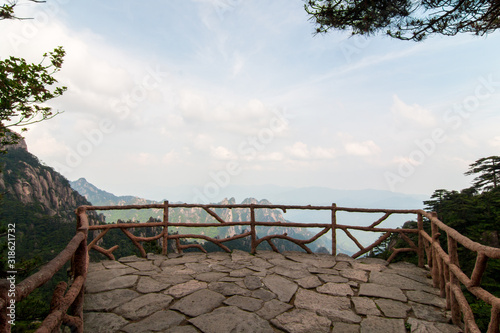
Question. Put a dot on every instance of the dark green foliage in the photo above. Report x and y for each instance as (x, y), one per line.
(38, 240)
(32, 310)
(7, 9)
(24, 88)
(487, 171)
(404, 19)
(477, 216)
(395, 241)
(481, 310)
(475, 213)
(38, 237)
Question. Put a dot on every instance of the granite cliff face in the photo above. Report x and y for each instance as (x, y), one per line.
(24, 179)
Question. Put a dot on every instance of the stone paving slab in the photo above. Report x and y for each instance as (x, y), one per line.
(266, 292)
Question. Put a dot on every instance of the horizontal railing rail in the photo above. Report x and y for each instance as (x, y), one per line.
(332, 226)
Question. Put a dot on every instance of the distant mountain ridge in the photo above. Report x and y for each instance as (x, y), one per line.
(290, 195)
(100, 198)
(313, 195)
(276, 195)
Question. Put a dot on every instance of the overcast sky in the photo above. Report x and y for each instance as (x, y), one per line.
(207, 93)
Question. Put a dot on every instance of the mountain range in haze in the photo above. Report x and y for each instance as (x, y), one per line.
(276, 194)
(280, 195)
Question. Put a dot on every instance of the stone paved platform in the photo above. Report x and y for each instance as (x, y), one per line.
(266, 292)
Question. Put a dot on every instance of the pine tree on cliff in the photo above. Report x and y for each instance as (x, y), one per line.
(487, 171)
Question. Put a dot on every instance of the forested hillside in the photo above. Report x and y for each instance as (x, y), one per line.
(41, 204)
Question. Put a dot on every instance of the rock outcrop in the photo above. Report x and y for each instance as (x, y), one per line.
(25, 179)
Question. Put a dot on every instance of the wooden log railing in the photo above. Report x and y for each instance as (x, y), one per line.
(218, 221)
(447, 275)
(445, 271)
(66, 307)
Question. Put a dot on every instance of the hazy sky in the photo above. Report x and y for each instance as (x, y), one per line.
(207, 93)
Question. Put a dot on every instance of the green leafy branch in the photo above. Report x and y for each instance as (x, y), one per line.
(24, 87)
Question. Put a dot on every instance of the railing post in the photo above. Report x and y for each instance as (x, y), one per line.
(253, 235)
(436, 278)
(454, 306)
(494, 325)
(479, 269)
(164, 250)
(80, 264)
(334, 229)
(420, 225)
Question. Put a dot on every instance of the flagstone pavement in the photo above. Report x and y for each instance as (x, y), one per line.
(266, 292)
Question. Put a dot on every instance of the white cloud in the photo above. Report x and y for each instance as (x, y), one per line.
(208, 104)
(271, 157)
(45, 144)
(358, 148)
(171, 157)
(301, 151)
(144, 159)
(415, 114)
(298, 150)
(201, 141)
(238, 63)
(193, 106)
(222, 153)
(495, 142)
(404, 161)
(364, 148)
(172, 122)
(467, 140)
(321, 153)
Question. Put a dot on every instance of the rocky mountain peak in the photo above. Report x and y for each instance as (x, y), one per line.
(249, 201)
(21, 143)
(226, 201)
(23, 178)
